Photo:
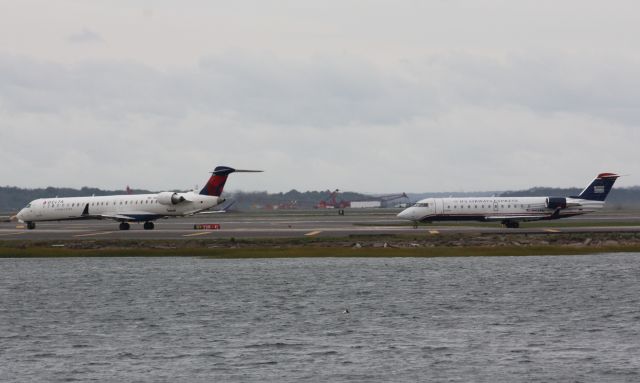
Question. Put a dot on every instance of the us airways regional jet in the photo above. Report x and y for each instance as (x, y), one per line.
(130, 207)
(512, 210)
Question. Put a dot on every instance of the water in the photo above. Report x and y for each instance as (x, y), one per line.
(479, 319)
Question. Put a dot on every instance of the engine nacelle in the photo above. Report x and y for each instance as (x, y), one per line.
(170, 198)
(556, 203)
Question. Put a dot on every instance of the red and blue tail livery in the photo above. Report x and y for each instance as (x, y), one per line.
(215, 185)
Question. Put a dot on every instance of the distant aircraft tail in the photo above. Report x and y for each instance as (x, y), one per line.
(215, 185)
(599, 189)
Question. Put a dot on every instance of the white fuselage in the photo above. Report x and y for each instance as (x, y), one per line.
(495, 209)
(127, 207)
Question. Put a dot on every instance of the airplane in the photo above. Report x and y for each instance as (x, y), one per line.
(510, 211)
(127, 208)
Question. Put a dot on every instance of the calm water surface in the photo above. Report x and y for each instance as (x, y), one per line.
(507, 319)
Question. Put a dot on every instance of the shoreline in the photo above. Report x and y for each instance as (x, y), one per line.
(419, 245)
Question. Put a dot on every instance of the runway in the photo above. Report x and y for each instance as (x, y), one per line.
(303, 224)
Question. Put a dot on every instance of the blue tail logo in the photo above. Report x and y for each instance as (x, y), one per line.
(599, 189)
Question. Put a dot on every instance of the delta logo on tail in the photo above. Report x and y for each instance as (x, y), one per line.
(510, 211)
(218, 179)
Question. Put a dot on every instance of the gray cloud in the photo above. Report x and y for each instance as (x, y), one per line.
(326, 91)
(85, 36)
(443, 122)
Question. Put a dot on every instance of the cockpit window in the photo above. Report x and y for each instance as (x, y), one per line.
(28, 206)
(422, 204)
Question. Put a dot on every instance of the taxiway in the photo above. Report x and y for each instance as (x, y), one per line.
(292, 224)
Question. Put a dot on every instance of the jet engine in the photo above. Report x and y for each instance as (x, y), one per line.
(170, 198)
(556, 203)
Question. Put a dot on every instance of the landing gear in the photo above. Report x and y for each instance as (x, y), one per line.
(31, 225)
(415, 224)
(511, 224)
(124, 226)
(149, 225)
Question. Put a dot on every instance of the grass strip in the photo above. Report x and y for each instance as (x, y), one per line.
(312, 252)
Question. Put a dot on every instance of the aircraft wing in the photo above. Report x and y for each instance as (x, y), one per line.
(136, 216)
(515, 217)
(218, 211)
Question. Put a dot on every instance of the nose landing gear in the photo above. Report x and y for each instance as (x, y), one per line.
(149, 225)
(31, 225)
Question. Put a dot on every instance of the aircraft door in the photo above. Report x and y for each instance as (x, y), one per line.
(495, 205)
(439, 206)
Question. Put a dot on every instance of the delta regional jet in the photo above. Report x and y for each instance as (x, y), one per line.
(127, 208)
(510, 211)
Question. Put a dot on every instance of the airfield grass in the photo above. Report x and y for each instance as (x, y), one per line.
(372, 246)
(306, 252)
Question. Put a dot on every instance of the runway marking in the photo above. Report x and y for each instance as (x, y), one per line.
(96, 233)
(552, 230)
(20, 227)
(434, 232)
(16, 233)
(312, 233)
(194, 234)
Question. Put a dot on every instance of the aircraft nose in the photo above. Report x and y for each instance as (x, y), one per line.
(405, 214)
(20, 214)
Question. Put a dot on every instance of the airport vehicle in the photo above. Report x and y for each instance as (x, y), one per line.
(510, 211)
(128, 208)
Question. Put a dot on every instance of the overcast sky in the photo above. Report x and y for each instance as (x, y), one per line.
(369, 96)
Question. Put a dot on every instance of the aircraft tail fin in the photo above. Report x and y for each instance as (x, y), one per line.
(216, 182)
(599, 188)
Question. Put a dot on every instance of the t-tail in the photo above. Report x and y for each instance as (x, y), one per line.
(215, 185)
(599, 189)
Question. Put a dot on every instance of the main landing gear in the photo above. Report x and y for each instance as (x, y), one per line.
(511, 224)
(127, 226)
(31, 225)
